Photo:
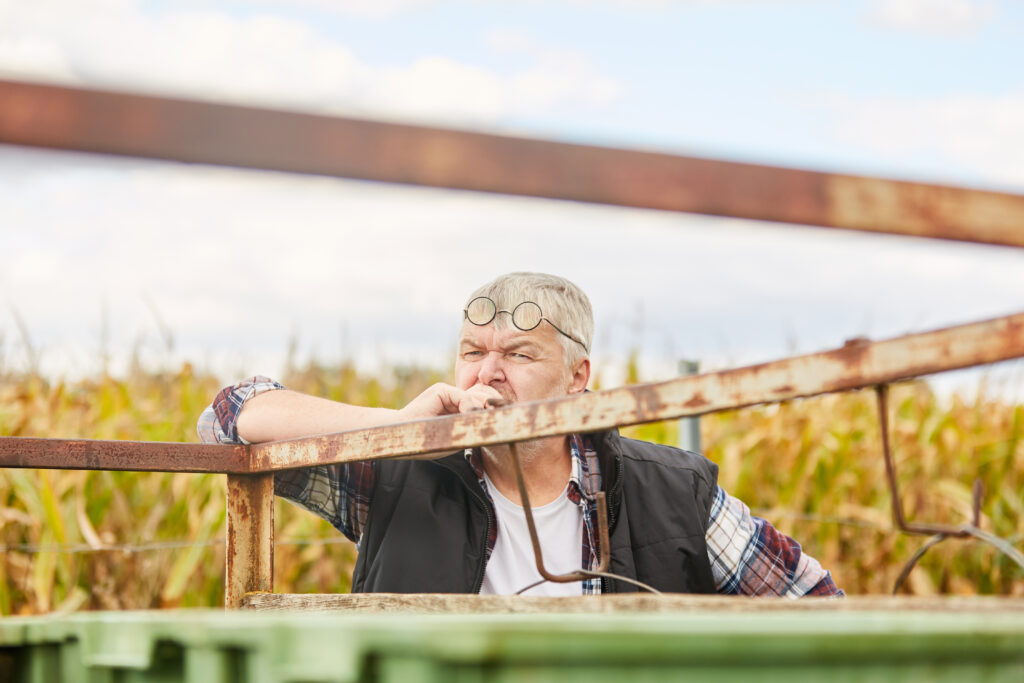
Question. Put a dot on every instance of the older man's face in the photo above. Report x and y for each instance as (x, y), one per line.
(521, 366)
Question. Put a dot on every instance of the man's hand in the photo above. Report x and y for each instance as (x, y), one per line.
(444, 399)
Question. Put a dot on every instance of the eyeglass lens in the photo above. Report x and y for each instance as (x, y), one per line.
(481, 311)
(526, 316)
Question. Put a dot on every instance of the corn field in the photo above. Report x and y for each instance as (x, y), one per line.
(75, 540)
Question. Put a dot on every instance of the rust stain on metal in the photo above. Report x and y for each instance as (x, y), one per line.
(192, 131)
(250, 536)
(696, 401)
(648, 401)
(487, 430)
(437, 433)
(530, 415)
(853, 352)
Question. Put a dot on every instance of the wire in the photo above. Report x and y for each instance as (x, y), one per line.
(598, 575)
(823, 519)
(175, 544)
(84, 548)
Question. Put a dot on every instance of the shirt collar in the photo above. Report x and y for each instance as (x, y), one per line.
(584, 475)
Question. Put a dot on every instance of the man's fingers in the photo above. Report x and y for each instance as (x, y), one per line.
(445, 399)
(485, 393)
(469, 403)
(480, 397)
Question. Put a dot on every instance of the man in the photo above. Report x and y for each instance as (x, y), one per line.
(455, 524)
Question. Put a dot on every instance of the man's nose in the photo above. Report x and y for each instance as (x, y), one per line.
(492, 369)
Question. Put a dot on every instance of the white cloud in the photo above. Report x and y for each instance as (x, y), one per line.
(933, 17)
(363, 8)
(555, 73)
(509, 40)
(272, 60)
(984, 134)
(34, 57)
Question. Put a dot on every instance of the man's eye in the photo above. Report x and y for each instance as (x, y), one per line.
(472, 354)
(521, 357)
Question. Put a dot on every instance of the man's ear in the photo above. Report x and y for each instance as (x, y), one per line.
(580, 377)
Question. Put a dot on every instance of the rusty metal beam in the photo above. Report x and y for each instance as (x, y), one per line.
(250, 537)
(856, 365)
(202, 132)
(90, 454)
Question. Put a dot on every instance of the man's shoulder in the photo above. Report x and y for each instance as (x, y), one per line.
(651, 455)
(669, 488)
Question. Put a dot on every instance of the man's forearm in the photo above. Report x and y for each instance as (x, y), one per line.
(284, 414)
(259, 409)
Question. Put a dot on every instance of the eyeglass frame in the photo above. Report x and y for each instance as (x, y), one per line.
(512, 315)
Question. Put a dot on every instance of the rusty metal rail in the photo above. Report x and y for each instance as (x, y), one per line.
(128, 456)
(204, 132)
(856, 365)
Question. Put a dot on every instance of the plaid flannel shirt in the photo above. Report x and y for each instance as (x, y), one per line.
(748, 555)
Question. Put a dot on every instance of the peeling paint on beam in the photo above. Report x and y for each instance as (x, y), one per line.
(856, 365)
(143, 456)
(203, 132)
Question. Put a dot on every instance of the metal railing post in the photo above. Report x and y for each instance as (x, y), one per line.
(249, 555)
(689, 427)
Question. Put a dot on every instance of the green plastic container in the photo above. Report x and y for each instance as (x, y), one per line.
(273, 647)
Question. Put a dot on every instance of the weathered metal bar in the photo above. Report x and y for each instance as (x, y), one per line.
(192, 131)
(250, 537)
(432, 603)
(856, 365)
(91, 454)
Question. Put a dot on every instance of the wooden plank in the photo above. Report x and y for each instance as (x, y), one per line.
(250, 536)
(420, 603)
(855, 365)
(95, 454)
(194, 131)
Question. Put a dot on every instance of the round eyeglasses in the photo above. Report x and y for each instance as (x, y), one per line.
(526, 316)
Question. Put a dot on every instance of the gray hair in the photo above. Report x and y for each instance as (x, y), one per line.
(561, 301)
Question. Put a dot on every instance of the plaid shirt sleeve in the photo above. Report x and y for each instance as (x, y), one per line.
(338, 493)
(750, 557)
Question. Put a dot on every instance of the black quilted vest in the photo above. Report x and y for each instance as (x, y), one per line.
(429, 519)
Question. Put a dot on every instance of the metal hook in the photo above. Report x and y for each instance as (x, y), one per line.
(604, 547)
(602, 526)
(939, 532)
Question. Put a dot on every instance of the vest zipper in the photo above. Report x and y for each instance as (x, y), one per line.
(605, 583)
(487, 535)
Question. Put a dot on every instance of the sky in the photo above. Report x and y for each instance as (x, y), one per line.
(110, 258)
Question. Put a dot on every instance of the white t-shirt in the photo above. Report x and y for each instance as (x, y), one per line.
(512, 565)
